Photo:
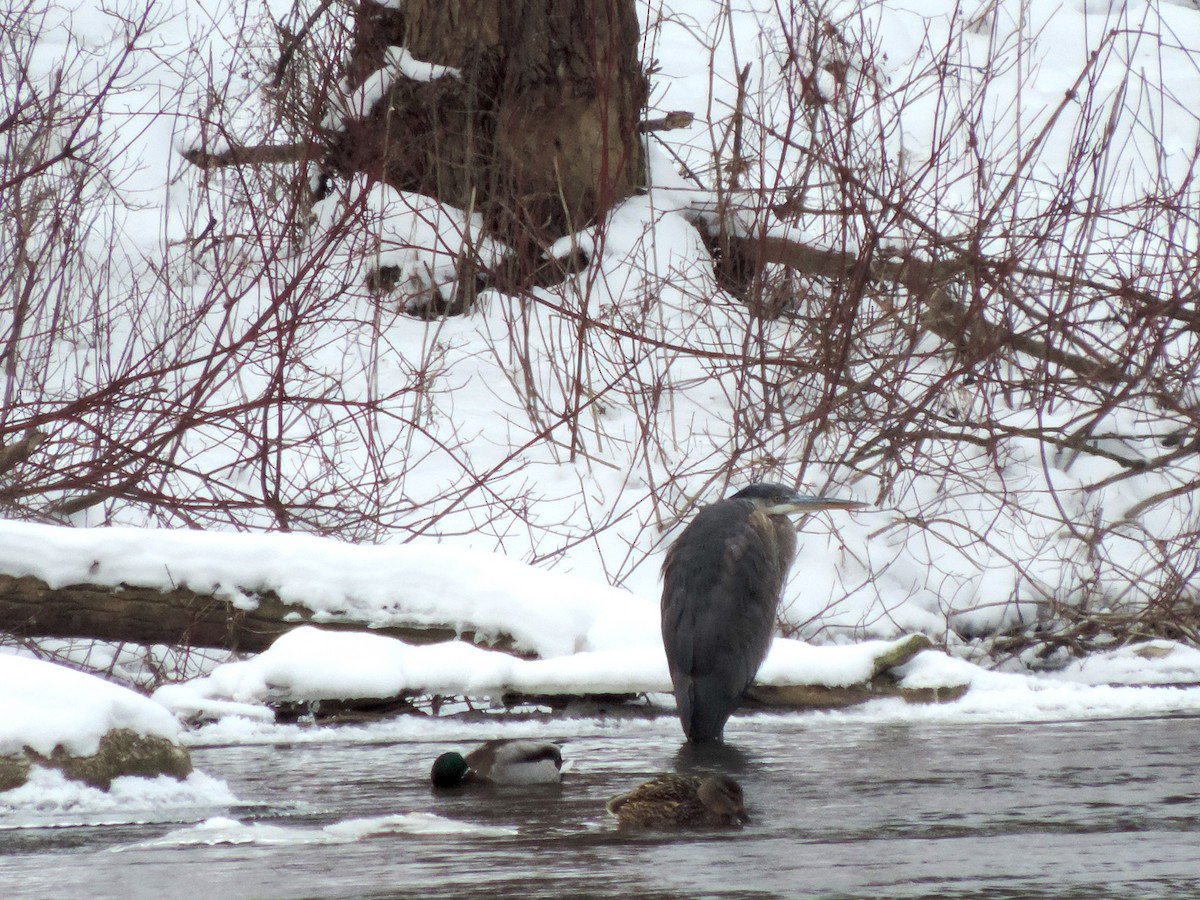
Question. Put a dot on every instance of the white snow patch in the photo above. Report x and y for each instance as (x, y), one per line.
(223, 830)
(51, 800)
(417, 70)
(44, 705)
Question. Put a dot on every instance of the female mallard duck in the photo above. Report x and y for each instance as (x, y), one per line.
(681, 801)
(514, 761)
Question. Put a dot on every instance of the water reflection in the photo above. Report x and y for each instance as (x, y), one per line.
(728, 758)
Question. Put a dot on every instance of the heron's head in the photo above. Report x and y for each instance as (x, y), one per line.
(780, 500)
(722, 795)
(450, 770)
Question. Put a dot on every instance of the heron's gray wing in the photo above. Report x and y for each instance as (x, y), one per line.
(721, 585)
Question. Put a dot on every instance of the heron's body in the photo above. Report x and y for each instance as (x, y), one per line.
(722, 580)
(513, 761)
(681, 801)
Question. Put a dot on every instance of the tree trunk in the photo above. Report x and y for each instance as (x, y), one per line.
(537, 131)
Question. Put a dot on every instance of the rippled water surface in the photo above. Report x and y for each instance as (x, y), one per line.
(840, 809)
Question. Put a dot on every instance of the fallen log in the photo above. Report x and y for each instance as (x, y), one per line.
(882, 683)
(29, 608)
(499, 698)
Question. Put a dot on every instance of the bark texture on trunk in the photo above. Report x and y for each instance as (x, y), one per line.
(538, 131)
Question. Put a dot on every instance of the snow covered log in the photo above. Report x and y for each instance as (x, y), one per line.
(883, 682)
(242, 590)
(342, 675)
(417, 620)
(29, 607)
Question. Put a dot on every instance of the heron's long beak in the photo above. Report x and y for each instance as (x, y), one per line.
(806, 504)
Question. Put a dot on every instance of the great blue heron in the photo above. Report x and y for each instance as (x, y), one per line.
(505, 761)
(722, 580)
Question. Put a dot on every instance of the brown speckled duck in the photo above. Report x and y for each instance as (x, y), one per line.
(510, 761)
(681, 801)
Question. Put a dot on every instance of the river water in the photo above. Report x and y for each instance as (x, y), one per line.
(839, 808)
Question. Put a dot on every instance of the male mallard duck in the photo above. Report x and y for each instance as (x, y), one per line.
(681, 801)
(513, 761)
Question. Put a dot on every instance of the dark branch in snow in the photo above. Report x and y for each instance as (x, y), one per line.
(14, 454)
(260, 154)
(293, 44)
(673, 120)
(967, 329)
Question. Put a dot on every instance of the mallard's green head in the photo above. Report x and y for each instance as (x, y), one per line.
(449, 770)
